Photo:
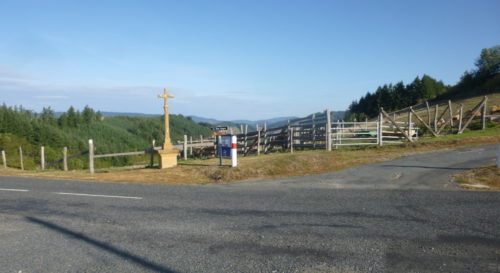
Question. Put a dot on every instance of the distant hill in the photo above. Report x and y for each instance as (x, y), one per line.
(240, 121)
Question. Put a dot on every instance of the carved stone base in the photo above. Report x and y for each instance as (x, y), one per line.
(168, 158)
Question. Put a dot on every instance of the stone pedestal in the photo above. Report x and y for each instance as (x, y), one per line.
(168, 158)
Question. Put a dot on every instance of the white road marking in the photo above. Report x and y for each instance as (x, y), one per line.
(97, 195)
(13, 190)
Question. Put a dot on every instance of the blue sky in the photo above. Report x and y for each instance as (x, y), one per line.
(232, 59)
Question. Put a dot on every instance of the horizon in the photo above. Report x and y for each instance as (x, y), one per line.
(232, 61)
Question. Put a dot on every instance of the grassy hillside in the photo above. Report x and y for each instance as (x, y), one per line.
(20, 127)
(484, 79)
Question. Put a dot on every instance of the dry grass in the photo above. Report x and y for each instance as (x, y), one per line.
(485, 176)
(194, 172)
(469, 104)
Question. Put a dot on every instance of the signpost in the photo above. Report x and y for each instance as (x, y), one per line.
(227, 145)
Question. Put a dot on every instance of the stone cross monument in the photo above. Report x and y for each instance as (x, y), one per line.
(168, 155)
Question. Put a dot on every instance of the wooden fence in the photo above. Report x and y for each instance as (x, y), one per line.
(317, 131)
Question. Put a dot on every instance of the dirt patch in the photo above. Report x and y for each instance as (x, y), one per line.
(484, 178)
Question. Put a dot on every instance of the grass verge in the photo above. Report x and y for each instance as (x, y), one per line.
(484, 178)
(195, 172)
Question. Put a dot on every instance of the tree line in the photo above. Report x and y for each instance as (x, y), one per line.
(73, 128)
(483, 79)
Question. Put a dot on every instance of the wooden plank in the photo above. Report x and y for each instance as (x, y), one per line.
(396, 125)
(436, 110)
(428, 112)
(460, 116)
(451, 115)
(423, 122)
(474, 111)
(120, 154)
(444, 124)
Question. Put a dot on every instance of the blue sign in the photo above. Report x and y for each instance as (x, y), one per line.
(225, 145)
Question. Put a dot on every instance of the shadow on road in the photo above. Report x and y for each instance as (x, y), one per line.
(427, 167)
(106, 247)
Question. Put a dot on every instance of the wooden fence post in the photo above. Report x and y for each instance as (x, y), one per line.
(313, 131)
(474, 111)
(42, 158)
(460, 116)
(410, 134)
(246, 139)
(152, 157)
(258, 139)
(436, 110)
(337, 130)
(21, 157)
(483, 114)
(265, 137)
(328, 131)
(428, 113)
(191, 146)
(4, 160)
(380, 129)
(184, 147)
(288, 135)
(65, 159)
(91, 156)
(341, 131)
(451, 114)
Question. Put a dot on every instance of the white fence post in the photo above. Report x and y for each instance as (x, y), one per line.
(42, 158)
(410, 133)
(483, 115)
(380, 129)
(328, 131)
(21, 157)
(234, 151)
(191, 146)
(258, 139)
(91, 156)
(4, 160)
(184, 147)
(65, 159)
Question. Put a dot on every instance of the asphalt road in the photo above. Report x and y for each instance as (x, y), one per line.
(399, 216)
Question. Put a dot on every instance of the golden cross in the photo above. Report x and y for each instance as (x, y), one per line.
(165, 96)
(166, 144)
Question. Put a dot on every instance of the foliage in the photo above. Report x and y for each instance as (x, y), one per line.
(484, 79)
(72, 129)
(393, 97)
